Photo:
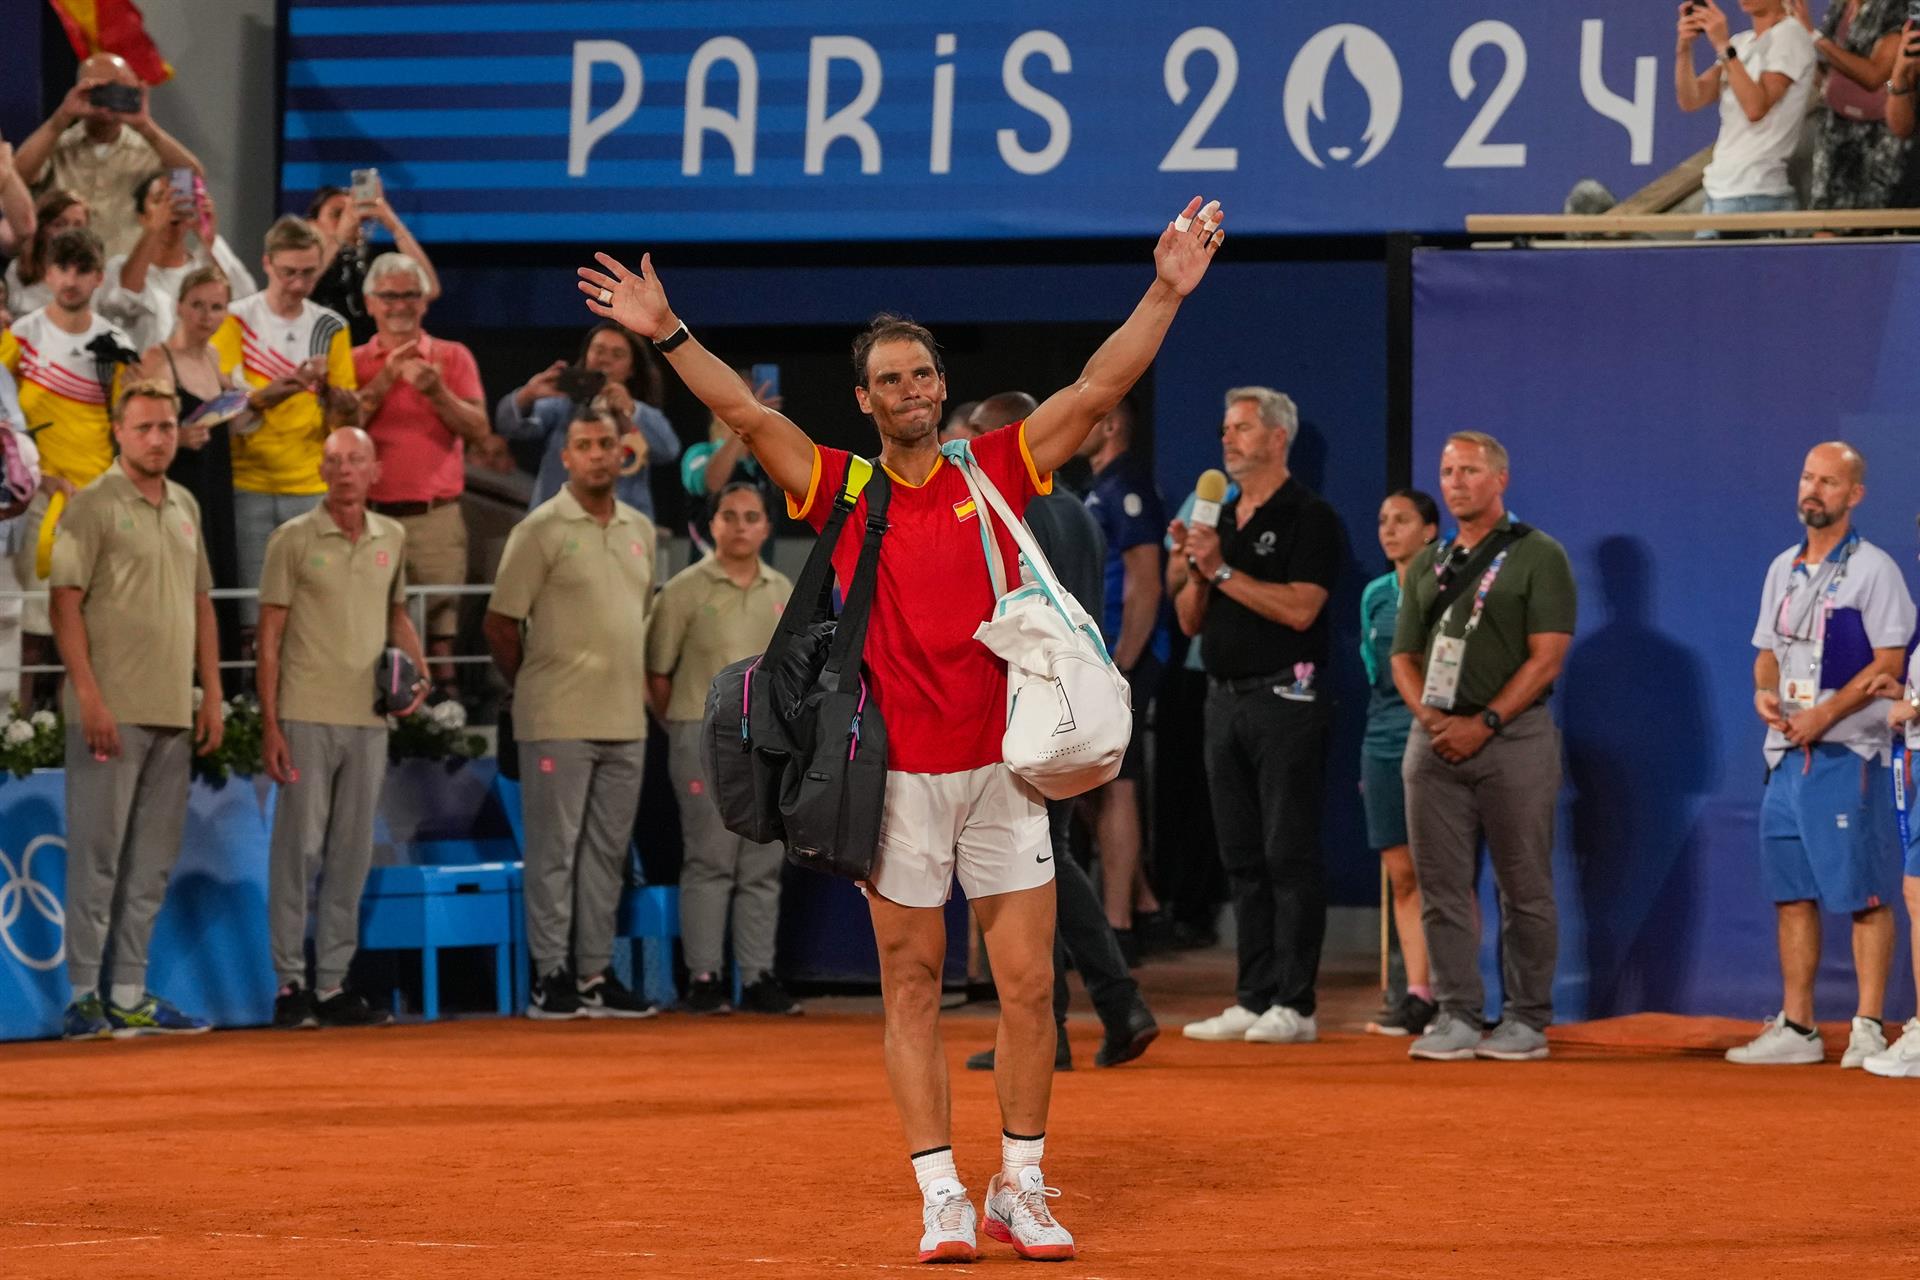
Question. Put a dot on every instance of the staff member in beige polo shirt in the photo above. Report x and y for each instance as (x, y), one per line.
(133, 622)
(715, 612)
(578, 572)
(332, 597)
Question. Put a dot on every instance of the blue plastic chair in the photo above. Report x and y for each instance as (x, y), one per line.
(428, 909)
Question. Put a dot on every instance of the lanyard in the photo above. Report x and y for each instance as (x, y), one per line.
(1823, 609)
(1479, 593)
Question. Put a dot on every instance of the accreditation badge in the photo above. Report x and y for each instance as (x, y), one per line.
(1443, 672)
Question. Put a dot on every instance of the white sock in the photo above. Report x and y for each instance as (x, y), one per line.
(1017, 1153)
(933, 1170)
(125, 995)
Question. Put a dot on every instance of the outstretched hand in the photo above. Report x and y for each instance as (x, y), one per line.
(634, 300)
(1187, 246)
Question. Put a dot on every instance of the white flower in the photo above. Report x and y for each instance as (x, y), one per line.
(18, 732)
(199, 696)
(44, 719)
(449, 715)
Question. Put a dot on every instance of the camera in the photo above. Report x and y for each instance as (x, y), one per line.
(579, 384)
(122, 98)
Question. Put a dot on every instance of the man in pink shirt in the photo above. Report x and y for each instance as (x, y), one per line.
(420, 400)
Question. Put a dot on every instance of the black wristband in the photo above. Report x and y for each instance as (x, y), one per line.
(672, 340)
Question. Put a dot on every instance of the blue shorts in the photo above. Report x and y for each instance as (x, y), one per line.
(1384, 797)
(1827, 831)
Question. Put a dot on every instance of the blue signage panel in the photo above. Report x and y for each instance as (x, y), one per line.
(766, 120)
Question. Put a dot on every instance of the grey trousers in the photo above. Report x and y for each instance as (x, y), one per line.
(579, 800)
(323, 825)
(721, 870)
(1506, 794)
(125, 817)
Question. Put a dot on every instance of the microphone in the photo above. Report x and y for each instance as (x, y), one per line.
(1209, 491)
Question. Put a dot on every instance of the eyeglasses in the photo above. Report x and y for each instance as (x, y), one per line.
(386, 296)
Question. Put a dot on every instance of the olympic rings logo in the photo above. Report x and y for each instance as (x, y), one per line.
(18, 891)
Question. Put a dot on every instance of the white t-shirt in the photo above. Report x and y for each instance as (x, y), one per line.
(1871, 607)
(1750, 157)
(149, 315)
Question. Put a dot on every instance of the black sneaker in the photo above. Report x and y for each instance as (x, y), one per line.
(555, 998)
(765, 995)
(1130, 1038)
(293, 1009)
(1062, 1055)
(1410, 1017)
(604, 996)
(350, 1009)
(706, 994)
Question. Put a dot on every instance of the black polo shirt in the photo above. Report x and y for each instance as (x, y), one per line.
(1293, 537)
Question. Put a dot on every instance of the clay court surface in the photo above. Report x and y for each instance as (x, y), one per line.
(736, 1147)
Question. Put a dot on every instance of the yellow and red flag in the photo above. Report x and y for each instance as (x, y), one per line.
(113, 26)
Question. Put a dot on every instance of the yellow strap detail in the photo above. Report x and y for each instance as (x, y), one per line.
(859, 471)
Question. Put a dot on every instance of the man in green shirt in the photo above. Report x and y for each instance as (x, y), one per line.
(1484, 756)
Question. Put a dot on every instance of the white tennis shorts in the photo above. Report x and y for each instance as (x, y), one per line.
(987, 825)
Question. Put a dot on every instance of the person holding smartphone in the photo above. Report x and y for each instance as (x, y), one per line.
(98, 142)
(1906, 73)
(343, 216)
(142, 289)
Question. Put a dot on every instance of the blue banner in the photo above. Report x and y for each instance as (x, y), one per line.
(704, 120)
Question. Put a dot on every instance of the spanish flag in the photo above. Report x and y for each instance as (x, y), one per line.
(113, 26)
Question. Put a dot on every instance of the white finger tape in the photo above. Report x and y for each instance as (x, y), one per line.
(1182, 223)
(606, 297)
(1210, 226)
(1211, 213)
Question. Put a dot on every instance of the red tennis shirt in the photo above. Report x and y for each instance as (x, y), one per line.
(943, 693)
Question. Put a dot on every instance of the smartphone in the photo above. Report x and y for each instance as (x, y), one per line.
(366, 186)
(580, 384)
(180, 189)
(1913, 11)
(123, 98)
(766, 380)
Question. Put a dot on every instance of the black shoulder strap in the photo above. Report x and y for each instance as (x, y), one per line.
(850, 635)
(1468, 574)
(812, 597)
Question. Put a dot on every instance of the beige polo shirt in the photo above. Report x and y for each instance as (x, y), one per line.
(705, 621)
(584, 592)
(140, 567)
(338, 595)
(103, 175)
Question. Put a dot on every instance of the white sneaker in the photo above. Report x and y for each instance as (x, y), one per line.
(949, 1219)
(1231, 1023)
(1281, 1025)
(1780, 1046)
(1901, 1058)
(1018, 1215)
(1866, 1039)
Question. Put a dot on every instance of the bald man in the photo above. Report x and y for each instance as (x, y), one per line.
(332, 598)
(1073, 543)
(1835, 618)
(100, 154)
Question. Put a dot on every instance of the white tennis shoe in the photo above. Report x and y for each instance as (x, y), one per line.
(1866, 1039)
(1232, 1023)
(1281, 1025)
(1901, 1058)
(1018, 1215)
(949, 1218)
(1779, 1046)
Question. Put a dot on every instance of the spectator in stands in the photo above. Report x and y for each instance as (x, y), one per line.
(1127, 504)
(142, 288)
(1255, 589)
(578, 573)
(131, 614)
(1073, 543)
(1901, 1059)
(19, 482)
(203, 464)
(67, 362)
(1857, 160)
(57, 211)
(295, 356)
(1900, 85)
(99, 154)
(1484, 628)
(421, 401)
(346, 254)
(959, 423)
(539, 413)
(1834, 615)
(1762, 80)
(16, 205)
(720, 609)
(1409, 521)
(332, 598)
(707, 469)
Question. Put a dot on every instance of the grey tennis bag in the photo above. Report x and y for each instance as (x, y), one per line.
(795, 748)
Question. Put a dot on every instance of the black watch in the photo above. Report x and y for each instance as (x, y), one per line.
(1491, 719)
(679, 335)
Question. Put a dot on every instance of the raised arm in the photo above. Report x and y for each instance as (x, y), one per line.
(1186, 248)
(637, 301)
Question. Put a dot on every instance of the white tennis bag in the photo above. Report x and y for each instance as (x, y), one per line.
(1069, 710)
